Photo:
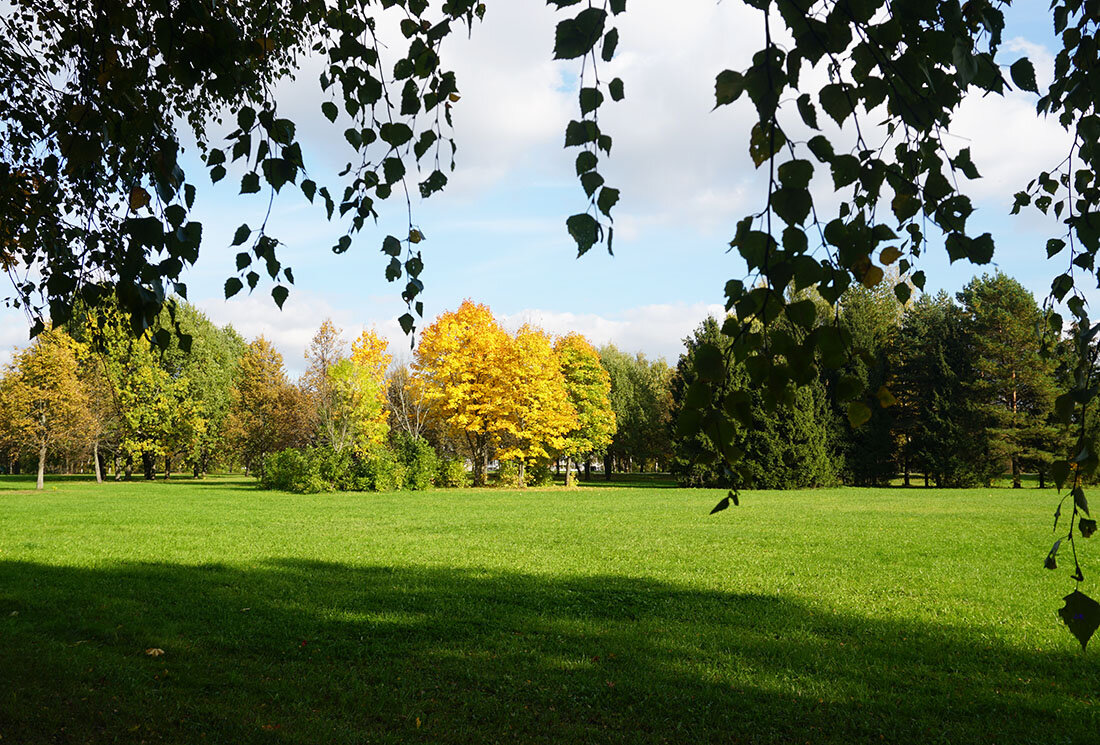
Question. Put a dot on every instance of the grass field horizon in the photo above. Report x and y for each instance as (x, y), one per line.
(615, 612)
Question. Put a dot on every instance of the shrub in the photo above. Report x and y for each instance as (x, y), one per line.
(508, 474)
(453, 473)
(380, 471)
(292, 470)
(539, 474)
(419, 459)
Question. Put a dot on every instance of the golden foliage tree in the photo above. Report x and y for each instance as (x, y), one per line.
(458, 367)
(363, 388)
(266, 412)
(588, 386)
(47, 406)
(537, 414)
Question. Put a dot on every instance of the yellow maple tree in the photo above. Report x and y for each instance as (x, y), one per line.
(459, 368)
(365, 390)
(538, 413)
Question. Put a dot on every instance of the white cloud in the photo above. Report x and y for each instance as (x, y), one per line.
(656, 330)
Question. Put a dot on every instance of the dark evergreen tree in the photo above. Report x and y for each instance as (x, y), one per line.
(1014, 386)
(785, 448)
(938, 426)
(872, 317)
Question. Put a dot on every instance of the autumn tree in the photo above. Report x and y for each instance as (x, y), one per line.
(458, 367)
(208, 365)
(266, 412)
(370, 362)
(406, 402)
(588, 386)
(537, 414)
(324, 351)
(47, 403)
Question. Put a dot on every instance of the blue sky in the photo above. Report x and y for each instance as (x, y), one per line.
(497, 233)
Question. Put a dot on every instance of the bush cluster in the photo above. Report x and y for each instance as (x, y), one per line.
(411, 463)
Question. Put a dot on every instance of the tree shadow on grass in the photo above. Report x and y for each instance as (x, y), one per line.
(307, 652)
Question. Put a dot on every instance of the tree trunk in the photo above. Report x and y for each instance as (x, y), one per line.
(570, 480)
(587, 469)
(926, 479)
(42, 467)
(196, 472)
(148, 466)
(1016, 473)
(557, 466)
(128, 469)
(1042, 478)
(607, 463)
(96, 463)
(522, 481)
(167, 466)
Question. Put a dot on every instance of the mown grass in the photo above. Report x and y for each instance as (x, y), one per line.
(614, 614)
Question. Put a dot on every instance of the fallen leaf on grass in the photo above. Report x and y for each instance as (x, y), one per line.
(154, 651)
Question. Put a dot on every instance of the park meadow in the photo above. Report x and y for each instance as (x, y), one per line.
(188, 611)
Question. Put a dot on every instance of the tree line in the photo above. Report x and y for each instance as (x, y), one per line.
(965, 396)
(92, 397)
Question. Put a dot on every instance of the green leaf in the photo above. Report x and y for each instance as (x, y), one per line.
(279, 293)
(391, 246)
(710, 364)
(586, 161)
(250, 184)
(1059, 471)
(1080, 501)
(243, 260)
(607, 199)
(396, 134)
(575, 37)
(246, 117)
(610, 42)
(1051, 562)
(796, 173)
(791, 204)
(1081, 614)
(802, 313)
(232, 287)
(241, 235)
(807, 111)
(590, 182)
(764, 142)
(393, 170)
(1023, 75)
(615, 88)
(408, 323)
(585, 231)
(834, 99)
(328, 108)
(1087, 527)
(821, 148)
(858, 414)
(590, 100)
(728, 87)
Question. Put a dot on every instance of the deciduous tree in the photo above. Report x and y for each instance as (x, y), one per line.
(47, 404)
(588, 387)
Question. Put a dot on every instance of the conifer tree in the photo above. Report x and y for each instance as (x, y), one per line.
(1014, 385)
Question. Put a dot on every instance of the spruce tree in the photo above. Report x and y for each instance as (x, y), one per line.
(1014, 385)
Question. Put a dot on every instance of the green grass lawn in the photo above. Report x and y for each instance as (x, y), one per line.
(612, 614)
